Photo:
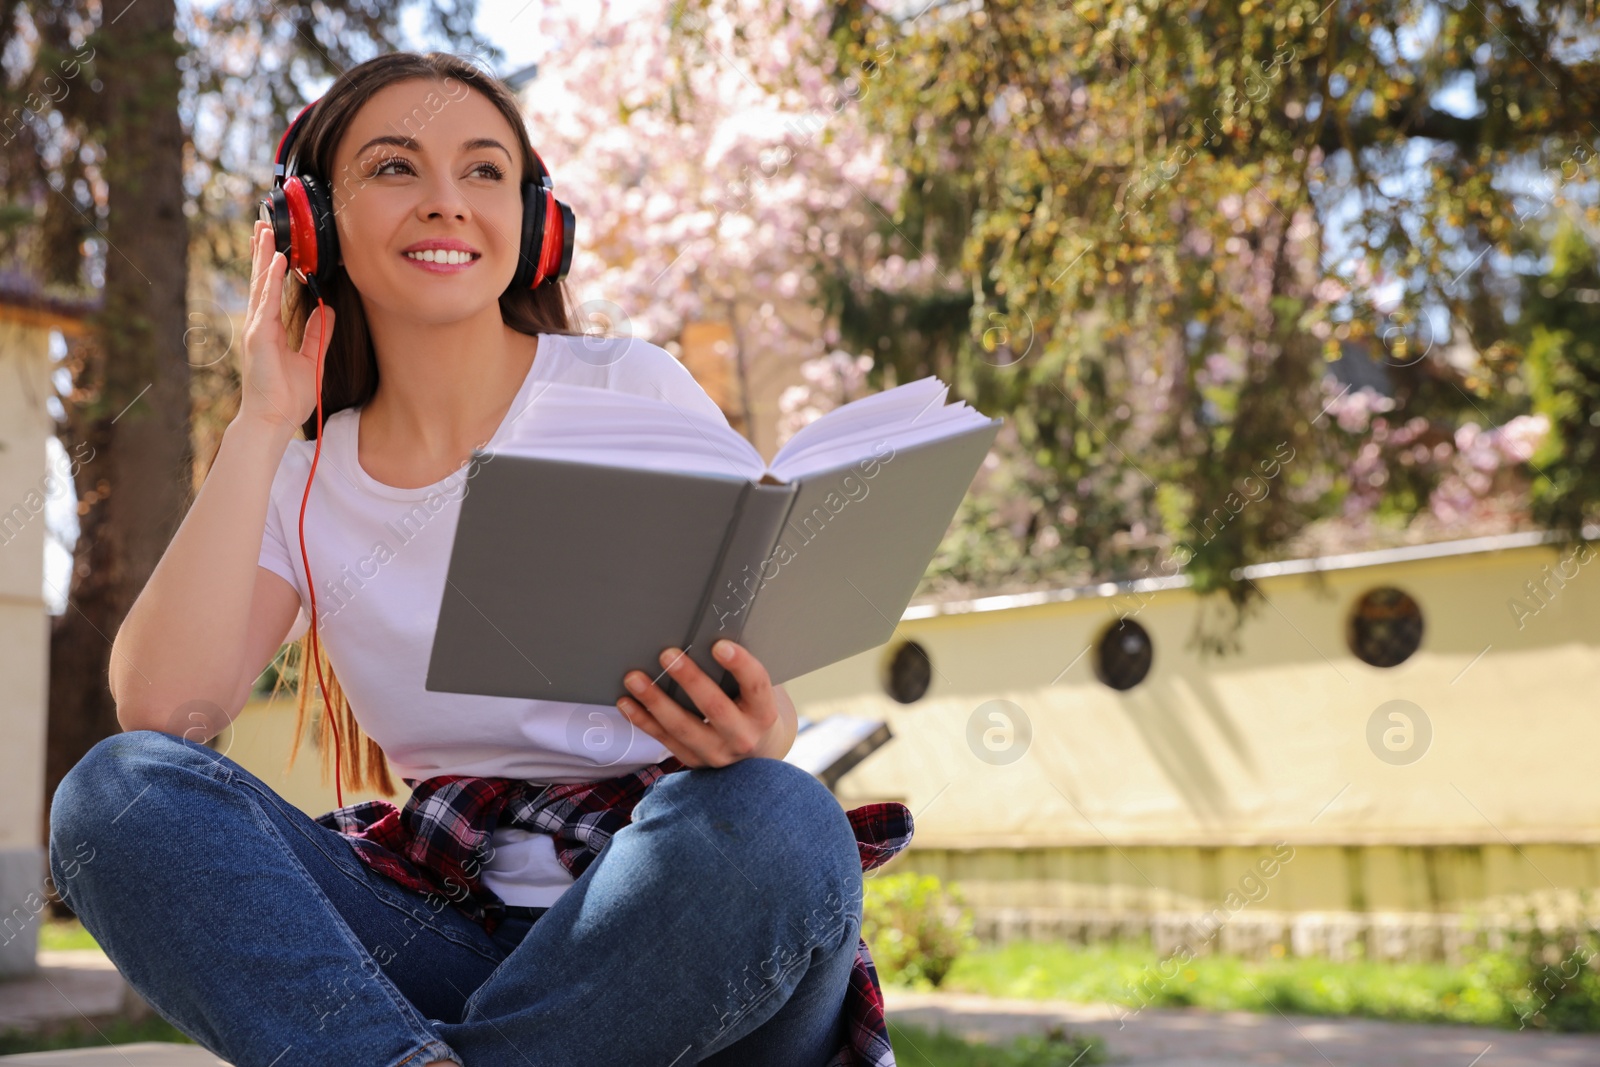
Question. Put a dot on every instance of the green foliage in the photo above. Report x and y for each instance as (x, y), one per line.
(916, 926)
(1548, 983)
(1560, 329)
(286, 666)
(1551, 982)
(1127, 210)
(917, 1047)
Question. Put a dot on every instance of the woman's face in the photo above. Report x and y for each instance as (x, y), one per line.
(426, 165)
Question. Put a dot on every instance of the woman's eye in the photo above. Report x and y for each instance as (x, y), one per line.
(492, 170)
(391, 161)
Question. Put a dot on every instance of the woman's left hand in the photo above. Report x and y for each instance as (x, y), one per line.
(760, 723)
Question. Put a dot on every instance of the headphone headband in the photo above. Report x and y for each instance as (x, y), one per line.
(286, 142)
(300, 210)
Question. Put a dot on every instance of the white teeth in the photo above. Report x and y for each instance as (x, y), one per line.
(439, 255)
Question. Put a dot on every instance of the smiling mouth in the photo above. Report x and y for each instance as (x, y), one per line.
(443, 257)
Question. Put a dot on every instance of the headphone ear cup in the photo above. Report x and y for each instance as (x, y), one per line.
(568, 224)
(555, 253)
(275, 212)
(323, 233)
(532, 238)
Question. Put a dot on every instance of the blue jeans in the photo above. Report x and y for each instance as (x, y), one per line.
(261, 935)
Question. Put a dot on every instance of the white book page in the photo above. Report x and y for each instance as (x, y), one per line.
(901, 417)
(584, 424)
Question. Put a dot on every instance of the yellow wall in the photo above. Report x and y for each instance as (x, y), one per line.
(259, 740)
(1264, 745)
(1152, 798)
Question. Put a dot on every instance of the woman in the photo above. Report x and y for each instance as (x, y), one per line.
(719, 925)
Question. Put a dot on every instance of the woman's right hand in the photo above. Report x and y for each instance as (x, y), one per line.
(278, 385)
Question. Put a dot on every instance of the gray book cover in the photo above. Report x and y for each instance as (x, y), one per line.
(563, 576)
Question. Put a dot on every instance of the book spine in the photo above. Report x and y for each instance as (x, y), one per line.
(736, 578)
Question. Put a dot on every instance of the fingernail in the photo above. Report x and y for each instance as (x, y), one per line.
(634, 683)
(723, 650)
(669, 656)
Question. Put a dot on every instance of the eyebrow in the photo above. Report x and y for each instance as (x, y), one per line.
(411, 143)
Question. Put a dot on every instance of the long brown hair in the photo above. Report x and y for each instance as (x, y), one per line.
(350, 368)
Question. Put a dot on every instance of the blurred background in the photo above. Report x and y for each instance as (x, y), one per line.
(1255, 670)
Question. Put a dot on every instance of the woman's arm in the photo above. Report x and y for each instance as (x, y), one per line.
(180, 659)
(179, 655)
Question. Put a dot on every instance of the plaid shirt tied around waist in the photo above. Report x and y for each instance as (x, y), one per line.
(436, 842)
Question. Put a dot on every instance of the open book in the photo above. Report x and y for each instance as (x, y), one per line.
(605, 526)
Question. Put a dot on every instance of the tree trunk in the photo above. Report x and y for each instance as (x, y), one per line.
(137, 484)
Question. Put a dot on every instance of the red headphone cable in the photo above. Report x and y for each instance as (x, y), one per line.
(305, 559)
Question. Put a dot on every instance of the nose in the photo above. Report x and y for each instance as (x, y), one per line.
(443, 198)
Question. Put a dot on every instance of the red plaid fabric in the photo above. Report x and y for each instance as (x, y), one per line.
(435, 844)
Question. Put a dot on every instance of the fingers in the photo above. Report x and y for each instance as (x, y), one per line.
(706, 694)
(260, 256)
(755, 684)
(276, 273)
(731, 731)
(318, 325)
(647, 723)
(665, 719)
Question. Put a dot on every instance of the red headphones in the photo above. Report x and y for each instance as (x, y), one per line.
(300, 210)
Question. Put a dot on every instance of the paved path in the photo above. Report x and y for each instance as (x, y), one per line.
(1193, 1038)
(71, 984)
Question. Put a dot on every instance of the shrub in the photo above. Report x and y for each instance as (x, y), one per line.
(1552, 983)
(916, 926)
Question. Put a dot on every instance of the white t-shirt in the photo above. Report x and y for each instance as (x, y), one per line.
(380, 554)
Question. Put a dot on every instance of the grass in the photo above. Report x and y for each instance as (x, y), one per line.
(1136, 977)
(917, 1047)
(84, 1035)
(65, 933)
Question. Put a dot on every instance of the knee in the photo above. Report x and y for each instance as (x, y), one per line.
(87, 808)
(781, 820)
